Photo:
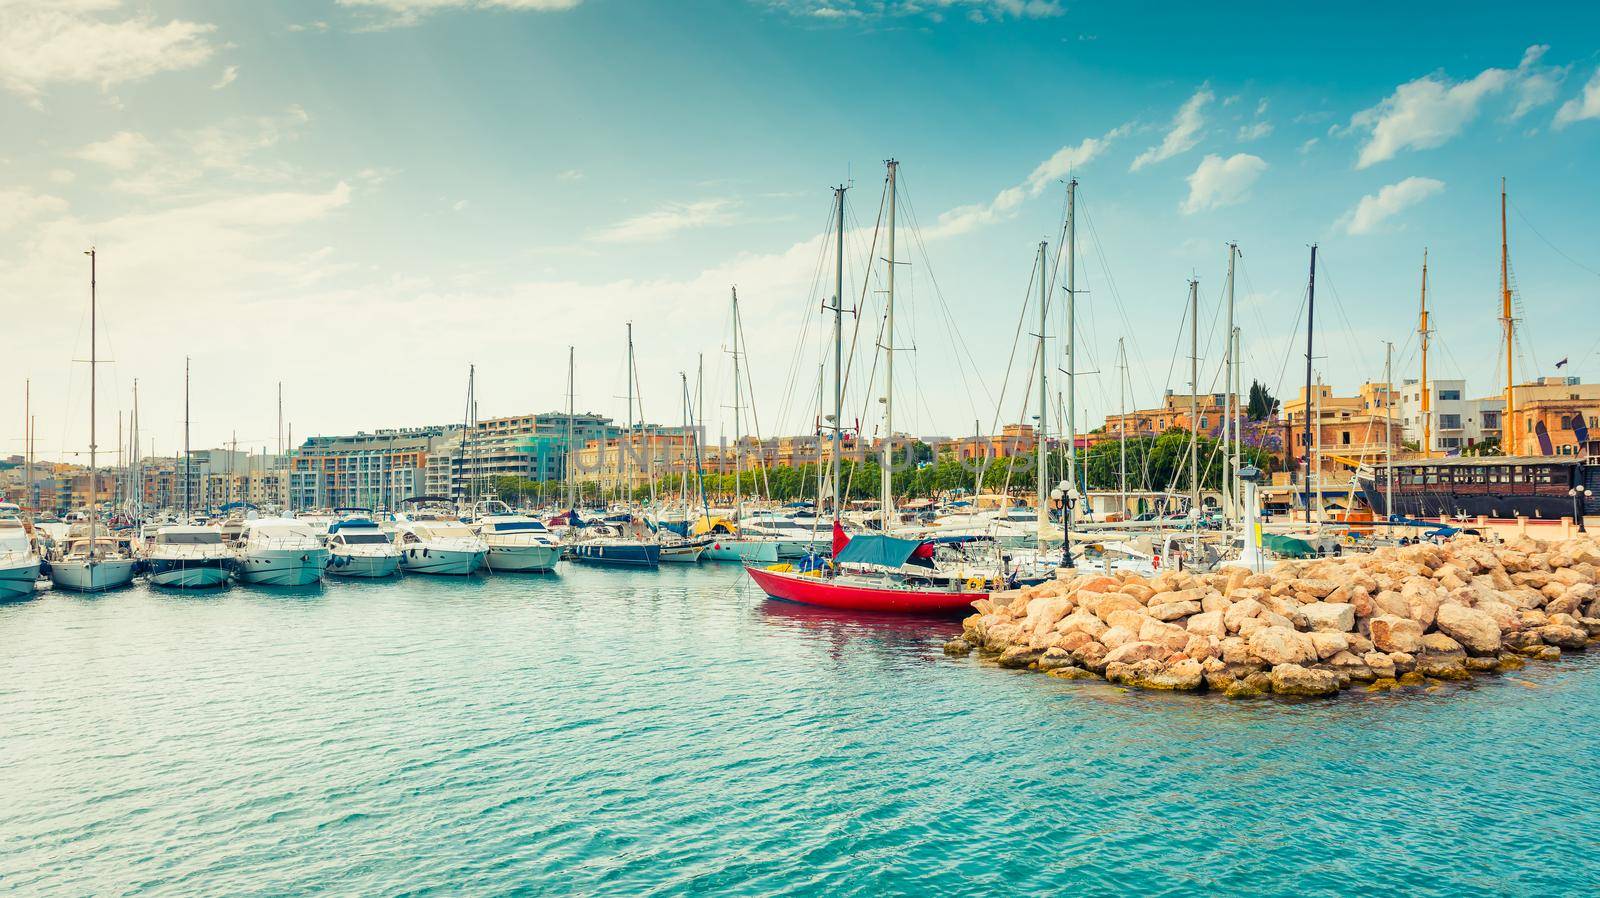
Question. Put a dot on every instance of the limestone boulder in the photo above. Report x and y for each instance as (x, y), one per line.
(1477, 632)
(1282, 645)
(1379, 663)
(1239, 612)
(1114, 602)
(1134, 652)
(1073, 641)
(1330, 617)
(1294, 679)
(1391, 633)
(1209, 623)
(1091, 655)
(1171, 611)
(1572, 639)
(1328, 644)
(1084, 621)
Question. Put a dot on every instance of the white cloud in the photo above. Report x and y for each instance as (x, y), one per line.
(1063, 162)
(409, 12)
(975, 10)
(122, 150)
(1374, 209)
(1222, 182)
(459, 206)
(669, 220)
(44, 43)
(61, 176)
(571, 174)
(1261, 107)
(20, 205)
(1184, 133)
(1429, 111)
(1584, 106)
(229, 75)
(1254, 131)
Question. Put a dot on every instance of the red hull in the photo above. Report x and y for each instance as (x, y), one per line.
(827, 594)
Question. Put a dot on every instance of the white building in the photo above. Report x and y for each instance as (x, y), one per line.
(1457, 422)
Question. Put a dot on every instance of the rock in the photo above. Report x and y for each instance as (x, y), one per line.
(1330, 617)
(1509, 662)
(1117, 637)
(1183, 675)
(1590, 625)
(1379, 663)
(1573, 639)
(1403, 662)
(1545, 653)
(1055, 657)
(1481, 664)
(1391, 603)
(1383, 684)
(1215, 602)
(1091, 655)
(1071, 642)
(1474, 629)
(958, 648)
(1351, 667)
(1071, 673)
(1442, 658)
(1412, 678)
(1084, 622)
(1239, 612)
(1127, 618)
(1209, 623)
(1292, 679)
(1134, 652)
(1171, 611)
(1358, 643)
(1281, 645)
(1318, 588)
(1396, 634)
(1018, 656)
(1115, 602)
(1422, 606)
(1328, 644)
(1252, 685)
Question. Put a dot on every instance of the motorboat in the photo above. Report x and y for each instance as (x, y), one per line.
(517, 542)
(186, 556)
(795, 537)
(683, 551)
(439, 547)
(19, 561)
(358, 547)
(280, 552)
(92, 564)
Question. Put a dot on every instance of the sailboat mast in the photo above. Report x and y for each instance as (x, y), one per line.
(1311, 326)
(1388, 427)
(838, 340)
(1510, 325)
(1427, 393)
(27, 445)
(1122, 428)
(1041, 452)
(1230, 419)
(1070, 339)
(887, 465)
(94, 366)
(571, 469)
(627, 460)
(1194, 410)
(738, 426)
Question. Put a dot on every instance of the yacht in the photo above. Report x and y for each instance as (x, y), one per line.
(516, 542)
(92, 564)
(280, 552)
(795, 537)
(439, 547)
(186, 556)
(19, 563)
(358, 547)
(615, 543)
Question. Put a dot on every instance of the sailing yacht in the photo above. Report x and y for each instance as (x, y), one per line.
(19, 563)
(280, 552)
(358, 547)
(184, 556)
(92, 563)
(517, 543)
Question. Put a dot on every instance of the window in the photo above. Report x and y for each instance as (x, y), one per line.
(1449, 442)
(1344, 437)
(1491, 420)
(1449, 422)
(1449, 395)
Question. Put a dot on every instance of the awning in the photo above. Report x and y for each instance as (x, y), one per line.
(885, 551)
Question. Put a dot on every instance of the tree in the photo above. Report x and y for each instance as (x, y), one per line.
(1261, 404)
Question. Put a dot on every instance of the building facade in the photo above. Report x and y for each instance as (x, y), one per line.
(1454, 422)
(1561, 410)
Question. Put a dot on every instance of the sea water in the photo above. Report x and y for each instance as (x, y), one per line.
(606, 732)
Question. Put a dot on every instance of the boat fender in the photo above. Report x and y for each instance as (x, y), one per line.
(976, 583)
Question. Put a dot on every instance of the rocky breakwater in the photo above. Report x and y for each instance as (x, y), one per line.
(1397, 617)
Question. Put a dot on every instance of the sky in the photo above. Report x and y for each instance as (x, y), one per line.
(359, 199)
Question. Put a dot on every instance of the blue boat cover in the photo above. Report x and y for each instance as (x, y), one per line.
(336, 526)
(871, 548)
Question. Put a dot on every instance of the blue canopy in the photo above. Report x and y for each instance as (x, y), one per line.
(336, 526)
(871, 548)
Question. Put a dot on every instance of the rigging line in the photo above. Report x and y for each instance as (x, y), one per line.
(866, 278)
(1172, 359)
(1522, 315)
(1547, 242)
(1349, 329)
(948, 318)
(1129, 332)
(809, 318)
(1277, 388)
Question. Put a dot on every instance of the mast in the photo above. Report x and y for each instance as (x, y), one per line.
(627, 467)
(572, 498)
(838, 340)
(136, 475)
(1070, 339)
(1388, 427)
(1041, 452)
(187, 458)
(1311, 320)
(1230, 419)
(283, 481)
(1194, 411)
(1510, 325)
(887, 466)
(738, 427)
(1427, 393)
(94, 366)
(466, 425)
(27, 445)
(1122, 429)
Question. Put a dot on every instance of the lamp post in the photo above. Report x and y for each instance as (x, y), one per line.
(1067, 494)
(1578, 493)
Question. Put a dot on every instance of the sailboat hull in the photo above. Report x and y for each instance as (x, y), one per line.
(81, 576)
(742, 551)
(790, 587)
(618, 554)
(523, 558)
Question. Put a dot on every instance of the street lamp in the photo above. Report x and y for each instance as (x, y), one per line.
(1065, 493)
(1578, 493)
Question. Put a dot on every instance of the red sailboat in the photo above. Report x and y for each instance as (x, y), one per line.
(854, 589)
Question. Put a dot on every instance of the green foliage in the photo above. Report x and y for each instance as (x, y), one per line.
(1261, 404)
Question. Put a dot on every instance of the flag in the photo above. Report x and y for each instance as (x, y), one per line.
(1561, 364)
(840, 538)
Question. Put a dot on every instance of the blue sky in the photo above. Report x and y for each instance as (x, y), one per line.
(361, 198)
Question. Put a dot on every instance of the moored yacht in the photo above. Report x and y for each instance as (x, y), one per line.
(92, 564)
(19, 562)
(280, 552)
(516, 542)
(439, 547)
(185, 556)
(358, 547)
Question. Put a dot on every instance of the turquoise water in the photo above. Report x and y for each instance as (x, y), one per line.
(624, 733)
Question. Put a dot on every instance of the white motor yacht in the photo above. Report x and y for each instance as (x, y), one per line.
(439, 547)
(186, 556)
(86, 564)
(358, 547)
(516, 542)
(19, 562)
(280, 552)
